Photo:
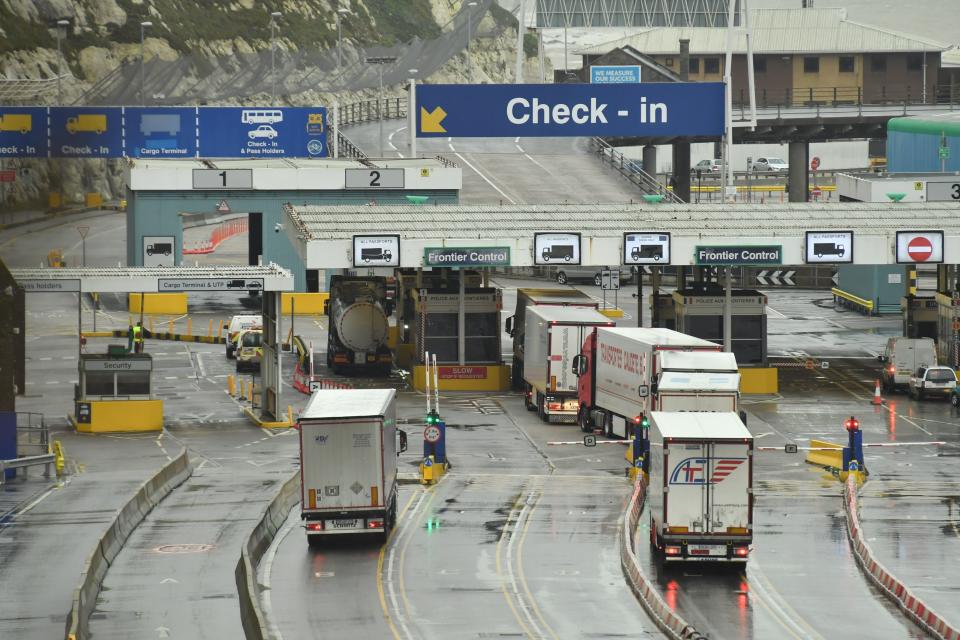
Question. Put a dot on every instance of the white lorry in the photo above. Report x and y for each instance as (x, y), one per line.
(902, 357)
(700, 493)
(552, 337)
(625, 373)
(348, 462)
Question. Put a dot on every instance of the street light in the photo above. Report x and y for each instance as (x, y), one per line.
(61, 25)
(470, 6)
(412, 112)
(273, 46)
(380, 61)
(143, 27)
(340, 11)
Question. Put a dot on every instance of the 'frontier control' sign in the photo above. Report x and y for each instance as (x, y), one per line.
(466, 257)
(742, 255)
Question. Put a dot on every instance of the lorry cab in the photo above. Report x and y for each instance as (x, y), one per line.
(932, 382)
(902, 357)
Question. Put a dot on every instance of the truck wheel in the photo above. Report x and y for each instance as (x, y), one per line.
(583, 418)
(561, 277)
(541, 409)
(955, 400)
(920, 394)
(516, 375)
(526, 402)
(314, 541)
(597, 282)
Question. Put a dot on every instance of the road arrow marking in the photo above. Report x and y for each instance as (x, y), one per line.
(169, 581)
(430, 120)
(162, 632)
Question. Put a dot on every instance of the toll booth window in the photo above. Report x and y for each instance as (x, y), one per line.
(99, 383)
(133, 383)
(748, 351)
(706, 327)
(442, 336)
(483, 341)
(747, 327)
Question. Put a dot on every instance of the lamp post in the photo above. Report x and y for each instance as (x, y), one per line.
(412, 112)
(273, 48)
(143, 28)
(61, 27)
(341, 11)
(380, 61)
(470, 6)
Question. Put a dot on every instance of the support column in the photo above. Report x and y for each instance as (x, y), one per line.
(462, 320)
(650, 159)
(727, 317)
(799, 177)
(681, 170)
(655, 296)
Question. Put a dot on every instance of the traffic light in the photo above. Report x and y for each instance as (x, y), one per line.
(852, 424)
(433, 418)
(642, 421)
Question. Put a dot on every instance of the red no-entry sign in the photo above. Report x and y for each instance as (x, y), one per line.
(920, 249)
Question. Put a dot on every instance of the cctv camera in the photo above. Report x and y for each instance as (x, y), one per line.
(277, 227)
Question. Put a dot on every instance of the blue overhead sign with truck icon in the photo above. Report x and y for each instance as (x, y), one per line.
(661, 109)
(163, 132)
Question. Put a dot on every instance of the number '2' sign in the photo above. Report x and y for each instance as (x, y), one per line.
(374, 179)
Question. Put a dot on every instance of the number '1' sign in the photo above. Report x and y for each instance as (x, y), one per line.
(223, 179)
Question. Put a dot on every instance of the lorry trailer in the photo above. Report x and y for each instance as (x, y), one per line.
(553, 336)
(700, 493)
(516, 324)
(625, 373)
(357, 311)
(349, 443)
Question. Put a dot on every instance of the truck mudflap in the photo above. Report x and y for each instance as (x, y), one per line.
(674, 549)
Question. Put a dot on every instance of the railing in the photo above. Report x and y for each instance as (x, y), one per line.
(837, 96)
(33, 435)
(22, 463)
(631, 170)
(367, 111)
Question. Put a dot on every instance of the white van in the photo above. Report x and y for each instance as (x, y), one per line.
(237, 324)
(902, 357)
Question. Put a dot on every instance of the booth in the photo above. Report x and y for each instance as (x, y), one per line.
(115, 394)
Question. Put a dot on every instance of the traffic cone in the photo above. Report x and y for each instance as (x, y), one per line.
(876, 394)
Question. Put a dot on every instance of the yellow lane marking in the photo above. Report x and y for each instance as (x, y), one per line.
(503, 581)
(523, 575)
(383, 550)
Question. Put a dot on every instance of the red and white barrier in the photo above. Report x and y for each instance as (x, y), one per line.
(889, 584)
(220, 233)
(661, 612)
(306, 383)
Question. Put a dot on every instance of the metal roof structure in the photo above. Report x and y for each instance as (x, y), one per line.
(779, 31)
(325, 232)
(554, 14)
(271, 277)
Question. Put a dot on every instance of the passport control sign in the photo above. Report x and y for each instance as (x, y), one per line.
(684, 109)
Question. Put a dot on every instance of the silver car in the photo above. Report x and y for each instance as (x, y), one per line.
(770, 164)
(565, 274)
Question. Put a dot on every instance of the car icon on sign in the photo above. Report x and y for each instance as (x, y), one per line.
(263, 131)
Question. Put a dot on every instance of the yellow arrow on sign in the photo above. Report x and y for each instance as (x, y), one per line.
(430, 120)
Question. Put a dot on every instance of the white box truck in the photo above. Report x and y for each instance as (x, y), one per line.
(625, 373)
(902, 357)
(348, 462)
(552, 337)
(700, 493)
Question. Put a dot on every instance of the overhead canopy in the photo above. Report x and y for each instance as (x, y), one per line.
(325, 233)
(238, 279)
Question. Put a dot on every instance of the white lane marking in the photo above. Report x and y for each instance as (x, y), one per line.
(450, 144)
(486, 179)
(388, 578)
(266, 566)
(511, 574)
(516, 140)
(531, 159)
(785, 614)
(774, 312)
(520, 149)
(390, 140)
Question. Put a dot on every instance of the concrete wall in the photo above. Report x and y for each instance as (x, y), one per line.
(878, 283)
(152, 213)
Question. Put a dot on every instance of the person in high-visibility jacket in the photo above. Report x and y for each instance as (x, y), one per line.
(138, 338)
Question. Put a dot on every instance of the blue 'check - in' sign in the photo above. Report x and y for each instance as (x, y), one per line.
(529, 110)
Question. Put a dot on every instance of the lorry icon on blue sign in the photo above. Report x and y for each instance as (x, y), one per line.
(168, 123)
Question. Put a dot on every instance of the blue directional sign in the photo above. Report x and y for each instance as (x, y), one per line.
(160, 132)
(86, 132)
(23, 132)
(490, 110)
(615, 74)
(263, 132)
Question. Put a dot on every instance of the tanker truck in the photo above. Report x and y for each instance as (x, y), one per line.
(357, 319)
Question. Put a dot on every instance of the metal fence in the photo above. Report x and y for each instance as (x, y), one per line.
(33, 436)
(945, 94)
(631, 170)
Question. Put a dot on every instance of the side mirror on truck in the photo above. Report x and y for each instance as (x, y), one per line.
(403, 441)
(743, 417)
(509, 325)
(326, 307)
(579, 365)
(881, 359)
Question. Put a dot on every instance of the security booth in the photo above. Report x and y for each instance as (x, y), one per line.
(920, 316)
(115, 393)
(665, 316)
(948, 329)
(699, 313)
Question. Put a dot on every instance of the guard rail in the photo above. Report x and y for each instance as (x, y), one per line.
(631, 170)
(23, 463)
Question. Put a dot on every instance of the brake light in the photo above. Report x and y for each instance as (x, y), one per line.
(671, 551)
(340, 358)
(554, 406)
(315, 526)
(892, 369)
(374, 524)
(741, 552)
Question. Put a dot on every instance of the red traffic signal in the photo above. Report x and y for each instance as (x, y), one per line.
(852, 424)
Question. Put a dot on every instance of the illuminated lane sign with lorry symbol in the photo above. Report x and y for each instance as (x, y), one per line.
(376, 251)
(262, 132)
(829, 247)
(86, 132)
(738, 255)
(23, 132)
(466, 257)
(919, 247)
(170, 132)
(556, 248)
(646, 248)
(670, 109)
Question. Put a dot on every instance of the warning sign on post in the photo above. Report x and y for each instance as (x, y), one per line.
(919, 247)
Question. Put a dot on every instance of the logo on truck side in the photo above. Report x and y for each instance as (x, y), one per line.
(694, 470)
